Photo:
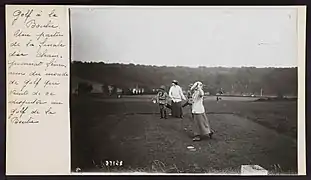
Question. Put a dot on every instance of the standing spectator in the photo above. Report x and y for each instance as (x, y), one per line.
(162, 99)
(189, 97)
(220, 92)
(177, 96)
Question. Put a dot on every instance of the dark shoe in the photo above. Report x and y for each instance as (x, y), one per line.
(211, 135)
(205, 137)
(161, 117)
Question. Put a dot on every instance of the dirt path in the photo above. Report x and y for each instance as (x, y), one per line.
(147, 143)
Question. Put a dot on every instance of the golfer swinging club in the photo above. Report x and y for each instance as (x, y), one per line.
(202, 127)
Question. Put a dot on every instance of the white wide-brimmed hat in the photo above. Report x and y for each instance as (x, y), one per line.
(196, 84)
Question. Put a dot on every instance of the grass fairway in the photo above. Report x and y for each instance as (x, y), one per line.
(129, 130)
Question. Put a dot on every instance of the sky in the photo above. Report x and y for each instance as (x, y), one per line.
(185, 36)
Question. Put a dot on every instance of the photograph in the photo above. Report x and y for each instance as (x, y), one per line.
(184, 90)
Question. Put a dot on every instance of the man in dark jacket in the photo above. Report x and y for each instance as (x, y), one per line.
(162, 100)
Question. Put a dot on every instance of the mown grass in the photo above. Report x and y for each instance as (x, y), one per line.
(278, 115)
(92, 130)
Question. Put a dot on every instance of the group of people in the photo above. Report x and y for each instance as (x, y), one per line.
(194, 99)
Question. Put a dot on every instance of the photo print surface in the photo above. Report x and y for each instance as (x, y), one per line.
(187, 90)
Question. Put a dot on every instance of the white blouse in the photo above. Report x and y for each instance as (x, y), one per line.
(197, 106)
(176, 94)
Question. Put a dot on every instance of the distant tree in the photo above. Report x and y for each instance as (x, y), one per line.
(105, 89)
(89, 88)
(235, 80)
(84, 88)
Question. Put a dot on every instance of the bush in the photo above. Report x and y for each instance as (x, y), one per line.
(84, 88)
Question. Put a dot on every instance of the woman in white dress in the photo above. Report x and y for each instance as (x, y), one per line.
(201, 126)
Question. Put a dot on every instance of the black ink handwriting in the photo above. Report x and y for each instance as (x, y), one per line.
(30, 44)
(49, 111)
(17, 73)
(35, 111)
(56, 74)
(14, 63)
(18, 13)
(28, 102)
(30, 120)
(50, 83)
(14, 44)
(53, 64)
(31, 82)
(18, 53)
(36, 93)
(21, 93)
(34, 73)
(56, 102)
(49, 94)
(39, 14)
(52, 14)
(33, 24)
(46, 54)
(14, 82)
(51, 45)
(16, 111)
(49, 35)
(20, 33)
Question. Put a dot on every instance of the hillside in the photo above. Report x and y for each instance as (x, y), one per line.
(273, 81)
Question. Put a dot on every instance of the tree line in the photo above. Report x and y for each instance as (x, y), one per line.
(244, 80)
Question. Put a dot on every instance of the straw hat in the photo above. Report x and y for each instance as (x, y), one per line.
(175, 82)
(162, 87)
